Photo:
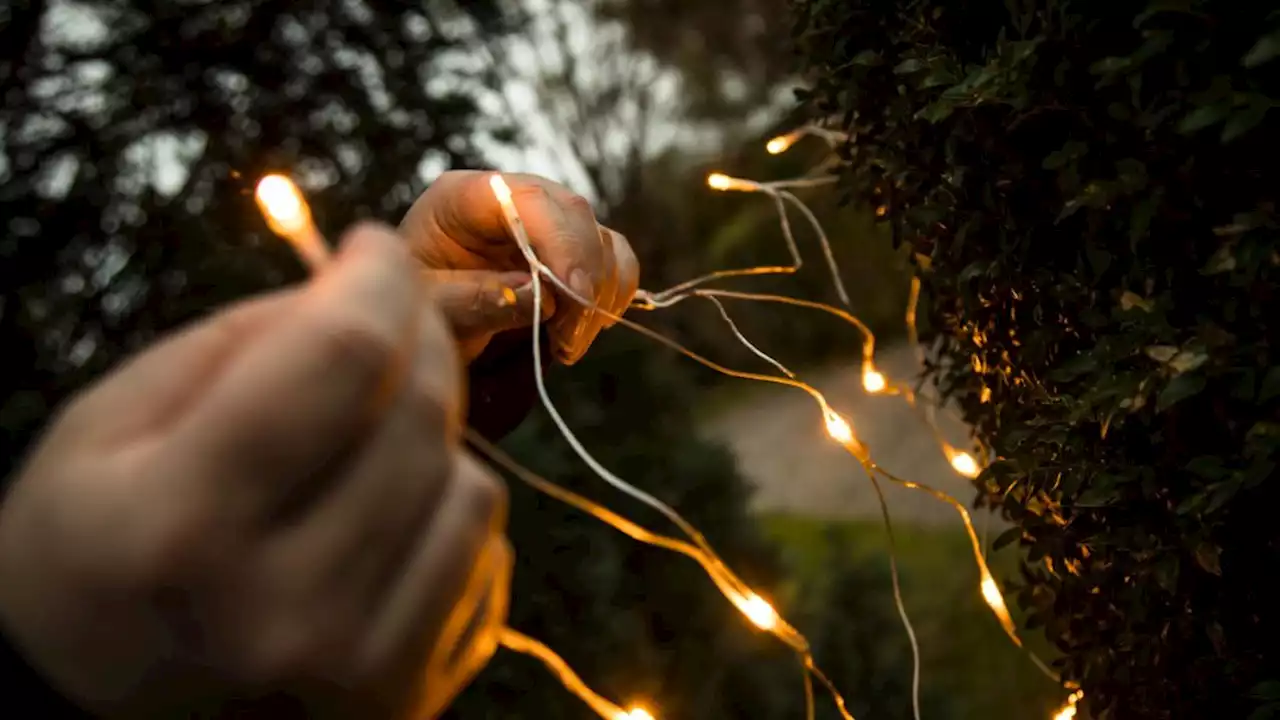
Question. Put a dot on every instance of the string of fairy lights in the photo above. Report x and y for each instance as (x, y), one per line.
(288, 215)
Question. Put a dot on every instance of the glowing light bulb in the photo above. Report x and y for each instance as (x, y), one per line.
(759, 612)
(1068, 711)
(719, 181)
(635, 713)
(501, 190)
(282, 205)
(873, 381)
(289, 216)
(838, 428)
(782, 143)
(963, 463)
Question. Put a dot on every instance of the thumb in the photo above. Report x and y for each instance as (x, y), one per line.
(480, 303)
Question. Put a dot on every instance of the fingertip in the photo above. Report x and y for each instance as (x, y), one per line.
(368, 237)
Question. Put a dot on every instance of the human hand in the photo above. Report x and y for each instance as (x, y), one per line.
(457, 231)
(270, 504)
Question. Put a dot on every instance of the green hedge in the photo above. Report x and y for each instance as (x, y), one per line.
(1089, 190)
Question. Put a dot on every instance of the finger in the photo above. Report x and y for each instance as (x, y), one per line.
(434, 580)
(361, 530)
(574, 347)
(471, 635)
(289, 406)
(628, 275)
(478, 302)
(146, 393)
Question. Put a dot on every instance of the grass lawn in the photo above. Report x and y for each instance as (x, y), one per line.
(966, 657)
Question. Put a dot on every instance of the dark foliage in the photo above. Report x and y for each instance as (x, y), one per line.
(1089, 189)
(99, 252)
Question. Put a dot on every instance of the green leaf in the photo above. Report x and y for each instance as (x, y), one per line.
(1209, 558)
(1265, 50)
(1179, 389)
(1074, 368)
(1007, 537)
(936, 112)
(1270, 385)
(908, 66)
(867, 58)
(1203, 117)
(1267, 690)
(1244, 120)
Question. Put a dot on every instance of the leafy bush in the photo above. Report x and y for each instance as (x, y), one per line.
(1089, 191)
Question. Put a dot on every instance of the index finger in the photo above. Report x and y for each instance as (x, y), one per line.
(286, 408)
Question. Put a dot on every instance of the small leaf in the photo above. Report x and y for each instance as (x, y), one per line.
(1243, 121)
(1007, 537)
(908, 66)
(936, 112)
(1268, 690)
(1209, 557)
(1130, 300)
(1223, 260)
(1203, 117)
(1270, 385)
(1179, 389)
(1161, 353)
(1188, 360)
(868, 58)
(1265, 50)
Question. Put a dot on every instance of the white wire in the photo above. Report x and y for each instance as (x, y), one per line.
(537, 271)
(822, 238)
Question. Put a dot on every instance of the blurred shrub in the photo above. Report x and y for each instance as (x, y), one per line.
(1089, 188)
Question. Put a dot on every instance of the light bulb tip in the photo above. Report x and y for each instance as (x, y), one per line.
(874, 381)
(500, 188)
(719, 181)
(838, 428)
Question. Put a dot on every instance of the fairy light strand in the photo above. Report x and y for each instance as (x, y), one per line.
(750, 604)
(289, 216)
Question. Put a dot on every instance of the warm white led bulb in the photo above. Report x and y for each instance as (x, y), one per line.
(963, 463)
(282, 205)
(760, 612)
(838, 428)
(873, 381)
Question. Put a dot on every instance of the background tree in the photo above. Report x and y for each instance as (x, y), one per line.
(1089, 191)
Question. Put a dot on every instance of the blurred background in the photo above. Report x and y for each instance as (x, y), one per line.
(132, 132)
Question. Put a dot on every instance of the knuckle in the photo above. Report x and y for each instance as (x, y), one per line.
(577, 204)
(295, 646)
(433, 412)
(358, 346)
(485, 495)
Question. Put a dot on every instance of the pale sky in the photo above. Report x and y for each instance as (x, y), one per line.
(543, 151)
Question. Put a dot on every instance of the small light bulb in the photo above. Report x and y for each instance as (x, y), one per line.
(635, 713)
(963, 463)
(1068, 711)
(283, 206)
(760, 612)
(838, 428)
(288, 215)
(873, 381)
(500, 189)
(782, 143)
(719, 181)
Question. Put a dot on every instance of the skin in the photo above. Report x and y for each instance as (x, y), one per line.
(272, 508)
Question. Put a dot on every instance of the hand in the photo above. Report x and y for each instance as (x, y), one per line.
(457, 231)
(273, 503)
